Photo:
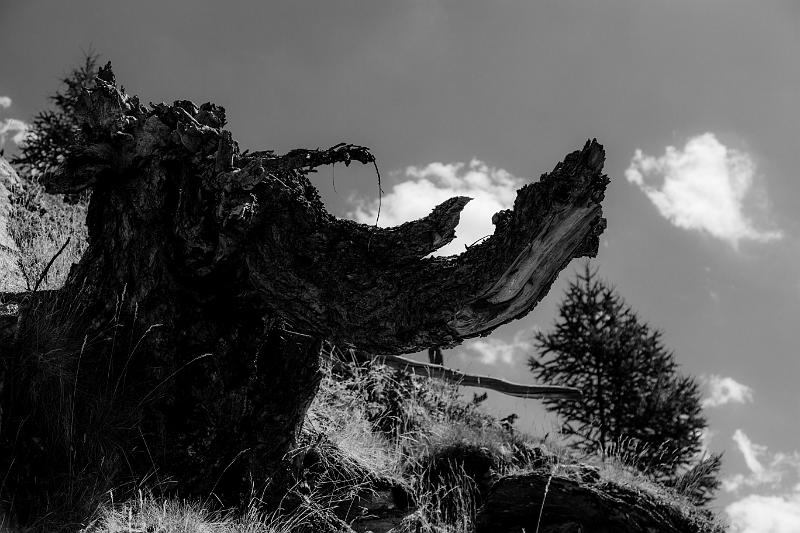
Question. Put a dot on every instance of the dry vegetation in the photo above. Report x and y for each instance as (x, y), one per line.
(440, 448)
(39, 225)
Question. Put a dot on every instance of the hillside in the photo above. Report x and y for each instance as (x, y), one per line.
(386, 451)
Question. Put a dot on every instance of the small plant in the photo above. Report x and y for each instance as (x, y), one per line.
(446, 496)
(700, 480)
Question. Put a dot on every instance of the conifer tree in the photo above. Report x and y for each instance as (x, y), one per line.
(635, 402)
(54, 131)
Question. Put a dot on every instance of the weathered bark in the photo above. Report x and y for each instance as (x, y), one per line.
(256, 223)
(187, 338)
(579, 504)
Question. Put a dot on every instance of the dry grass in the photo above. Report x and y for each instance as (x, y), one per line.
(436, 461)
(339, 412)
(344, 456)
(149, 514)
(39, 224)
(621, 466)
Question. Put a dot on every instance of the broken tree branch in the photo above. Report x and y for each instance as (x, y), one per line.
(472, 380)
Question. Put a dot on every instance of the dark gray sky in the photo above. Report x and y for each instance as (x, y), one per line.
(702, 238)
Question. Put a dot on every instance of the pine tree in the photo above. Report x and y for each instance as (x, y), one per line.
(54, 131)
(635, 403)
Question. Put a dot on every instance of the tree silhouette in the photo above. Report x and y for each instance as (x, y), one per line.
(54, 131)
(635, 403)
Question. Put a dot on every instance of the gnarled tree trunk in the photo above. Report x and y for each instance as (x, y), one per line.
(184, 346)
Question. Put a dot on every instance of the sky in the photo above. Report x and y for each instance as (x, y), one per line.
(694, 101)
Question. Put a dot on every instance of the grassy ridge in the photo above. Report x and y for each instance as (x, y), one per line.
(371, 429)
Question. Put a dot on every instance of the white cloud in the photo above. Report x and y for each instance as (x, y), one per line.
(14, 128)
(703, 187)
(495, 350)
(423, 188)
(766, 469)
(750, 451)
(765, 514)
(726, 390)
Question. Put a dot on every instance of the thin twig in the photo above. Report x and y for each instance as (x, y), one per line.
(130, 356)
(150, 455)
(380, 190)
(154, 389)
(72, 414)
(544, 498)
(467, 247)
(242, 452)
(47, 268)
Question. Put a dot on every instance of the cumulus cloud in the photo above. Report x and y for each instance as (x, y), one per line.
(778, 512)
(750, 451)
(765, 468)
(723, 390)
(493, 351)
(14, 128)
(423, 188)
(704, 187)
(765, 514)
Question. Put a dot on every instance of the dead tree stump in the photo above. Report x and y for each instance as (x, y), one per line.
(184, 346)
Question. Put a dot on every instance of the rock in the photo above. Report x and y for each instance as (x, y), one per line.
(548, 501)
